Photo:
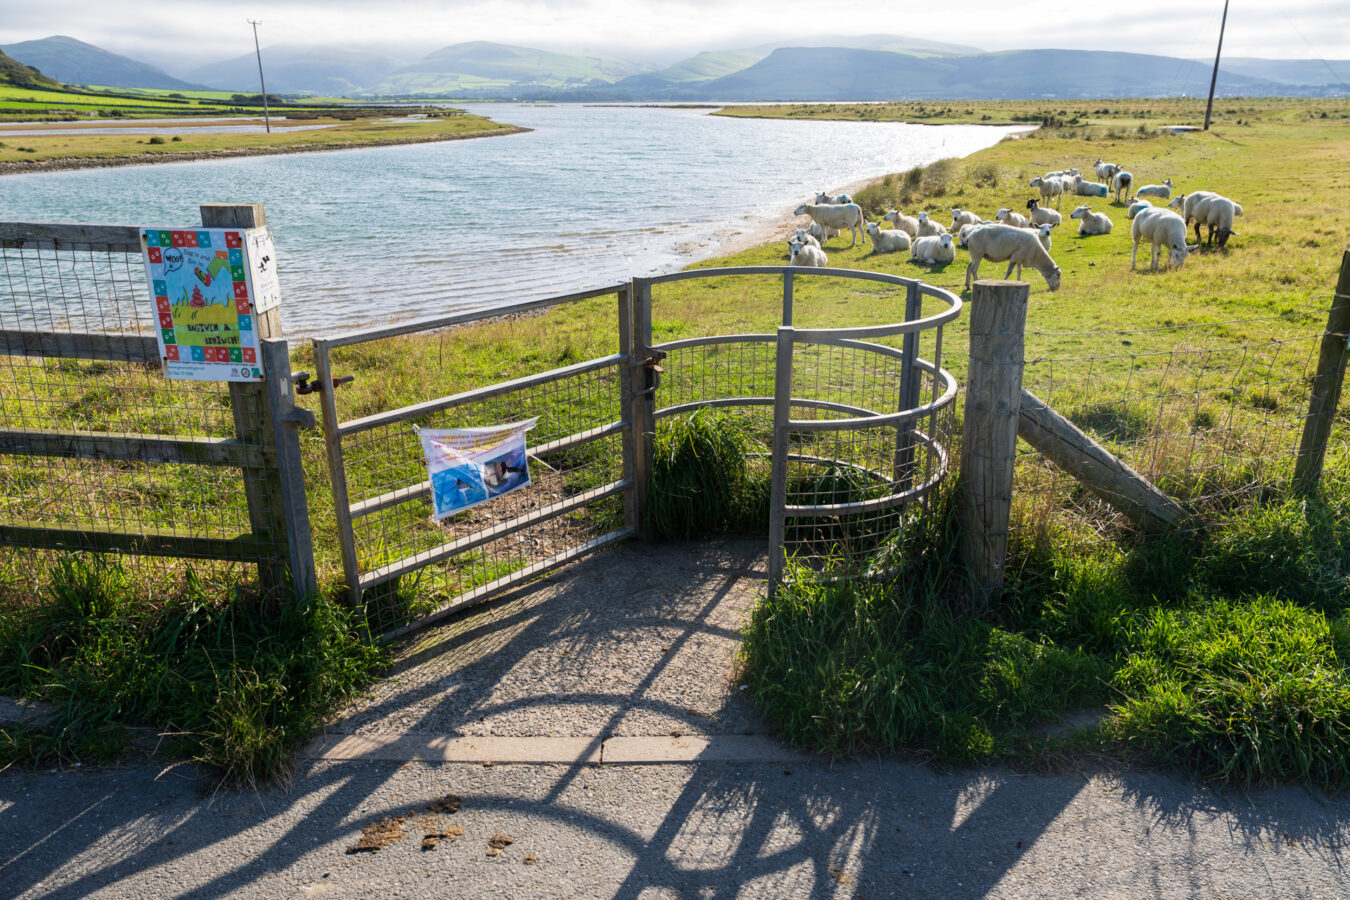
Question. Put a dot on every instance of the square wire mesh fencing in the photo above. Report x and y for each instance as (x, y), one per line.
(1210, 413)
(97, 449)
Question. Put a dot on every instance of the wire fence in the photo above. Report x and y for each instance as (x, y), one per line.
(98, 451)
(1210, 412)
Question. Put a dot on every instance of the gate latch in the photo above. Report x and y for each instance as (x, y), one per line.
(654, 369)
(303, 385)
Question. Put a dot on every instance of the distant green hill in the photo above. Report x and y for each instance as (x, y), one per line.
(329, 71)
(75, 62)
(482, 66)
(14, 72)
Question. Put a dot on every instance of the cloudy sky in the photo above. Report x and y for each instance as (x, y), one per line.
(183, 34)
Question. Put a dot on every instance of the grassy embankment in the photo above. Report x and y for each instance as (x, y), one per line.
(1155, 632)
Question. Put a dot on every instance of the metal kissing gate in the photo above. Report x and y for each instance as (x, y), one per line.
(874, 414)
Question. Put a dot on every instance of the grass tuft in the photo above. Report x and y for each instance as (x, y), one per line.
(704, 480)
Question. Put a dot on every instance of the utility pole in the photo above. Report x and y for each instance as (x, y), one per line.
(267, 119)
(1214, 79)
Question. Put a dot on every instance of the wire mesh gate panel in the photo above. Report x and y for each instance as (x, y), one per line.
(856, 421)
(408, 570)
(98, 451)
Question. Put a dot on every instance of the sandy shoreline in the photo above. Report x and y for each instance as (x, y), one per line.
(20, 167)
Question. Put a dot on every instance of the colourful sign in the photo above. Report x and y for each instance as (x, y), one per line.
(205, 284)
(469, 466)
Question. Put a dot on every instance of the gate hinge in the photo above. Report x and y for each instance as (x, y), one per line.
(303, 385)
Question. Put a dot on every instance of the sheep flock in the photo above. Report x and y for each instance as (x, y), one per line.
(1018, 239)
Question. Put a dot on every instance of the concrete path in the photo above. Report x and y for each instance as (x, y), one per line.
(628, 654)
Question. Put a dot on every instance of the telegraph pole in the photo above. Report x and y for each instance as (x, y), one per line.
(1213, 80)
(267, 119)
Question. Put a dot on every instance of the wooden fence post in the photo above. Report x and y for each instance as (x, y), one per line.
(253, 420)
(1326, 389)
(287, 420)
(998, 315)
(642, 399)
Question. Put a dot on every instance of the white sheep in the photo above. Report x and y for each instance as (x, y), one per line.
(803, 254)
(1161, 227)
(963, 217)
(1042, 233)
(1051, 186)
(1105, 170)
(1219, 215)
(929, 228)
(1193, 207)
(1041, 216)
(1084, 188)
(964, 234)
(1120, 182)
(888, 241)
(821, 233)
(848, 215)
(1017, 246)
(836, 200)
(1008, 217)
(1161, 191)
(907, 224)
(933, 248)
(1137, 205)
(806, 237)
(1093, 222)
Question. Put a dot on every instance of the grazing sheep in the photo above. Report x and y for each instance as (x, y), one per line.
(1017, 246)
(803, 254)
(1008, 217)
(836, 200)
(1039, 216)
(1161, 191)
(1137, 206)
(929, 228)
(933, 248)
(963, 217)
(849, 216)
(887, 241)
(1161, 227)
(1218, 215)
(1051, 186)
(1093, 222)
(1193, 207)
(1120, 182)
(908, 224)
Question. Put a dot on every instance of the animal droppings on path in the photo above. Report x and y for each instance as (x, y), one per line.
(432, 838)
(450, 803)
(378, 835)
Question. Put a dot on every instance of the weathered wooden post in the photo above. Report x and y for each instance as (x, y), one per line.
(640, 398)
(275, 489)
(998, 315)
(1326, 388)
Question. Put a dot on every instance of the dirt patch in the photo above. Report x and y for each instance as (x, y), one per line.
(378, 835)
(432, 839)
(450, 803)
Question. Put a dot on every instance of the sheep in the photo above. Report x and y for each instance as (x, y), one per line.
(964, 234)
(1121, 181)
(1093, 222)
(1017, 246)
(1162, 191)
(1051, 186)
(1194, 207)
(908, 224)
(1039, 216)
(1138, 205)
(933, 248)
(1090, 188)
(963, 217)
(1161, 226)
(821, 233)
(806, 237)
(837, 200)
(1105, 170)
(1043, 235)
(1219, 215)
(929, 228)
(803, 254)
(887, 241)
(1008, 217)
(849, 216)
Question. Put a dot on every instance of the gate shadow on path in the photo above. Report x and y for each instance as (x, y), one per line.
(640, 640)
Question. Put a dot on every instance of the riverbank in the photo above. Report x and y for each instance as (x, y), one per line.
(84, 150)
